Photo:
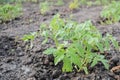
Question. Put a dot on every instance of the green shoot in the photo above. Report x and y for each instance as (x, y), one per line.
(9, 12)
(44, 7)
(30, 37)
(111, 12)
(60, 2)
(74, 4)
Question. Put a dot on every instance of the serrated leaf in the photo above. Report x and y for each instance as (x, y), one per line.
(100, 47)
(67, 65)
(58, 58)
(50, 51)
(80, 49)
(91, 40)
(115, 43)
(74, 57)
(28, 37)
(105, 63)
(94, 62)
(107, 44)
(89, 47)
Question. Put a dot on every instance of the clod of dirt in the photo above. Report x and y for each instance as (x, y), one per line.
(115, 60)
(56, 73)
(7, 46)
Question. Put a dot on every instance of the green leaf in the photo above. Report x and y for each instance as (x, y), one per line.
(28, 37)
(91, 40)
(89, 48)
(58, 58)
(94, 62)
(67, 65)
(105, 63)
(107, 44)
(50, 51)
(80, 49)
(100, 47)
(115, 43)
(74, 57)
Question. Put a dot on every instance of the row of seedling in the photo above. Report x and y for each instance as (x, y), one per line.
(10, 11)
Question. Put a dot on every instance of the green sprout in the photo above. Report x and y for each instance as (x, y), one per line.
(111, 12)
(60, 2)
(9, 12)
(30, 37)
(74, 4)
(44, 7)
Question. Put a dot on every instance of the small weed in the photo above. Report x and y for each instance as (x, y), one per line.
(30, 37)
(60, 2)
(111, 12)
(35, 1)
(44, 7)
(74, 4)
(9, 12)
(83, 1)
(74, 44)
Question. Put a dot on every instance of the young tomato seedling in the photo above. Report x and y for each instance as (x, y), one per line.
(75, 44)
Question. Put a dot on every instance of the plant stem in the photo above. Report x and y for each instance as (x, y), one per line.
(56, 42)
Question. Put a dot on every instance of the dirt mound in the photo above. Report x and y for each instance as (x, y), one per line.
(16, 63)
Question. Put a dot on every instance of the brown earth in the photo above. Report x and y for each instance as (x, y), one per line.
(17, 62)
